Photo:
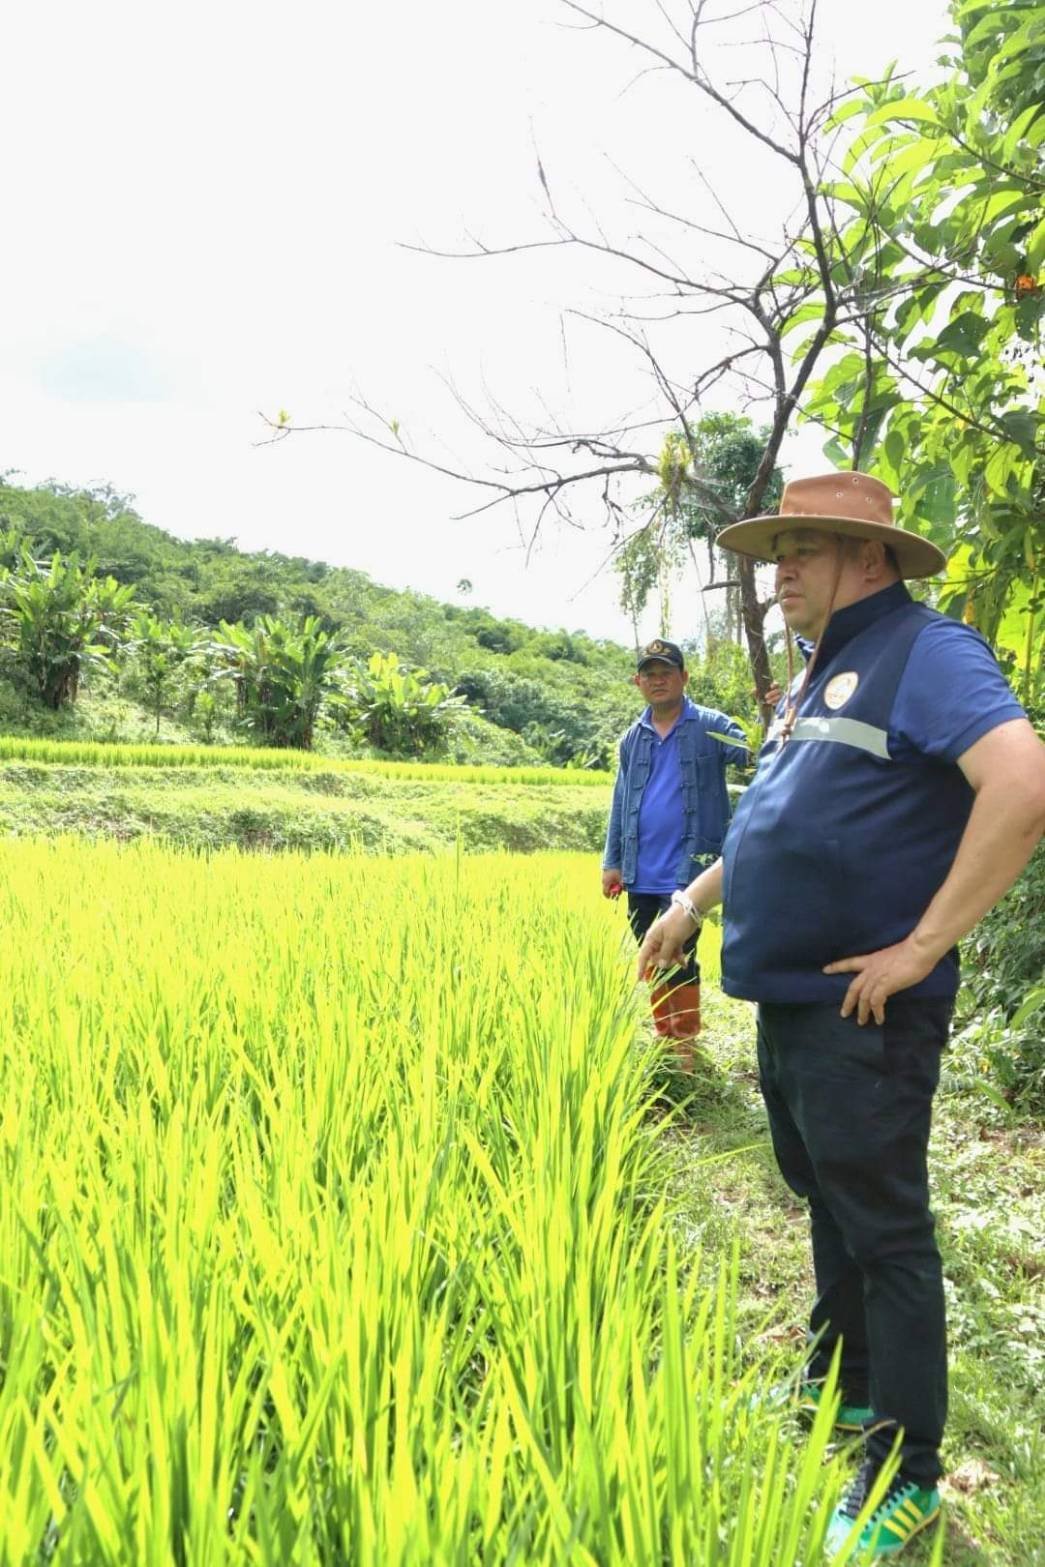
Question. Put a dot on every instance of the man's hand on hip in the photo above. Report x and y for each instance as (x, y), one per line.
(880, 975)
(662, 948)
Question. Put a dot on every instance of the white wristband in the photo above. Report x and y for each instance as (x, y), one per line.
(682, 901)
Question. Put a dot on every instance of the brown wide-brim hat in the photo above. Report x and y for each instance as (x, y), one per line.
(852, 504)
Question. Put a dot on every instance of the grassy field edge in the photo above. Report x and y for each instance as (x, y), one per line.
(118, 754)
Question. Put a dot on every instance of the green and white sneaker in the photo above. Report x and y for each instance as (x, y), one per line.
(902, 1513)
(805, 1397)
(849, 1417)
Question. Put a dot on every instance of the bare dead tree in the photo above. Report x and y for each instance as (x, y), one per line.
(805, 276)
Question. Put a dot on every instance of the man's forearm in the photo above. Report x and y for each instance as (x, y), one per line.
(999, 839)
(706, 891)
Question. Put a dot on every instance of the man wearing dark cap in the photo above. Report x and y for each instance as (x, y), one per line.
(669, 815)
(900, 792)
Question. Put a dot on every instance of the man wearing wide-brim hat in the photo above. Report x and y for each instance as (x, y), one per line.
(900, 792)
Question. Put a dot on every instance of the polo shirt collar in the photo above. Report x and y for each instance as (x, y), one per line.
(688, 711)
(849, 622)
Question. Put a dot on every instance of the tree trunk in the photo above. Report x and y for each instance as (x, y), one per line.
(754, 630)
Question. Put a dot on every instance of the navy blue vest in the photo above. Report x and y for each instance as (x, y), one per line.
(836, 849)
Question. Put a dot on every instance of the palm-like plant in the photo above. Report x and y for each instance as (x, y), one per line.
(58, 618)
(397, 709)
(281, 673)
(161, 648)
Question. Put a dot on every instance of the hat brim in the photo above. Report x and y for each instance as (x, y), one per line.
(915, 556)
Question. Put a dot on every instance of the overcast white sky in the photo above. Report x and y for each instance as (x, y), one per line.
(203, 205)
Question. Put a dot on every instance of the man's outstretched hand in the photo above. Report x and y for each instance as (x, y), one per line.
(662, 948)
(880, 975)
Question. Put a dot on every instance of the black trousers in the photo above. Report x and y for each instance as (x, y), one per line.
(849, 1114)
(643, 908)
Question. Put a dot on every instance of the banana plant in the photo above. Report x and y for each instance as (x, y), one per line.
(397, 709)
(282, 674)
(59, 619)
(160, 649)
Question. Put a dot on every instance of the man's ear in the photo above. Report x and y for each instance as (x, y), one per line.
(874, 558)
(634, 680)
(685, 677)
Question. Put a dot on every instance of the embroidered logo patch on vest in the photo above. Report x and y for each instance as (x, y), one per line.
(840, 688)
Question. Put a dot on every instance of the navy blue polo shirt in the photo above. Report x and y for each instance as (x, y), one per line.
(852, 825)
(951, 694)
(661, 814)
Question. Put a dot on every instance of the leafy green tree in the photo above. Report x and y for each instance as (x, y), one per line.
(204, 714)
(563, 715)
(281, 673)
(59, 619)
(723, 452)
(242, 588)
(397, 709)
(727, 450)
(568, 691)
(940, 391)
(160, 650)
(637, 564)
(98, 524)
(720, 676)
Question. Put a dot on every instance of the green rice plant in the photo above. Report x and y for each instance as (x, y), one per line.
(333, 1230)
(93, 753)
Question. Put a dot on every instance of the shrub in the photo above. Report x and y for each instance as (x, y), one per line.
(399, 710)
(281, 673)
(1004, 960)
(60, 619)
(160, 650)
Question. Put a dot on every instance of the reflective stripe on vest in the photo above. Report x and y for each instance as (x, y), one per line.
(845, 731)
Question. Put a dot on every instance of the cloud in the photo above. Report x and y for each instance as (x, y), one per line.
(108, 369)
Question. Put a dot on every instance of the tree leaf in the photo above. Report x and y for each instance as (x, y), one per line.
(1022, 426)
(1031, 1004)
(1036, 248)
(902, 109)
(964, 334)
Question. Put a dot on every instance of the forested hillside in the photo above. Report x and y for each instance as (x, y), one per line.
(512, 694)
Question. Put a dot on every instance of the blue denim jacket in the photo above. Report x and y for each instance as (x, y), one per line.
(706, 812)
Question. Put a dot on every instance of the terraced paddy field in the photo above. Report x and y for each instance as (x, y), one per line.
(350, 1214)
(334, 1228)
(383, 808)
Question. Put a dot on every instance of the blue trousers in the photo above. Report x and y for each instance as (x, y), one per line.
(849, 1114)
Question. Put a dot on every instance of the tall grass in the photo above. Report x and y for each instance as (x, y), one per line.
(332, 1231)
(95, 753)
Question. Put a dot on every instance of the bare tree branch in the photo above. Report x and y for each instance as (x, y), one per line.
(693, 74)
(554, 469)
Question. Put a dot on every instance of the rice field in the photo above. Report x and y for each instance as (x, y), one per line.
(96, 753)
(333, 1231)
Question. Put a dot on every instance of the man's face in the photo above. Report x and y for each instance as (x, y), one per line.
(661, 684)
(807, 562)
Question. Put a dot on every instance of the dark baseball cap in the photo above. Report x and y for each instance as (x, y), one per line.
(660, 652)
